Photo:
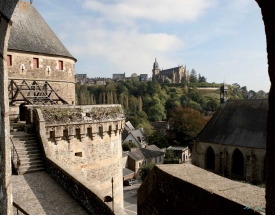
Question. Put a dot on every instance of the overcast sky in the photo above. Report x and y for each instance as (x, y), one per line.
(220, 39)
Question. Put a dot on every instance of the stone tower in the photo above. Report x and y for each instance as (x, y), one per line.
(156, 69)
(223, 93)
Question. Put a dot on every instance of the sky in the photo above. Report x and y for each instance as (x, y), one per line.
(222, 40)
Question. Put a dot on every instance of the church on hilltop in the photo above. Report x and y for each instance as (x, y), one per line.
(173, 75)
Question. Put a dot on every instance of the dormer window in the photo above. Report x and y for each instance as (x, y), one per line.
(60, 64)
(9, 60)
(35, 63)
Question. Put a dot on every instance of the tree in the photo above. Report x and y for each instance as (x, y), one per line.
(159, 140)
(128, 145)
(212, 104)
(139, 103)
(193, 77)
(145, 170)
(170, 157)
(147, 128)
(156, 113)
(187, 123)
(202, 79)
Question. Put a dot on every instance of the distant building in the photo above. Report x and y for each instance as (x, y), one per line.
(119, 77)
(140, 157)
(127, 129)
(137, 137)
(161, 126)
(173, 75)
(182, 152)
(143, 77)
(83, 79)
(233, 142)
(80, 78)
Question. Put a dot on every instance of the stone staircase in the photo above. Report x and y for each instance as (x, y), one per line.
(27, 148)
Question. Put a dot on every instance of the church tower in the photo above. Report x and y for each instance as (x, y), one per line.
(156, 69)
(223, 93)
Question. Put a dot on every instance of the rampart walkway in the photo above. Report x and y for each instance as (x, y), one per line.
(37, 193)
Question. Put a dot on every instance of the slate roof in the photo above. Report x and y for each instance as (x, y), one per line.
(127, 171)
(144, 153)
(139, 136)
(129, 126)
(178, 148)
(238, 123)
(30, 33)
(175, 69)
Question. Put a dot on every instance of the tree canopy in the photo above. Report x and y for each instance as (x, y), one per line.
(187, 123)
(145, 170)
(127, 146)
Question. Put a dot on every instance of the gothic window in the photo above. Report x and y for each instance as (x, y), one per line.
(35, 63)
(60, 64)
(237, 165)
(9, 60)
(210, 159)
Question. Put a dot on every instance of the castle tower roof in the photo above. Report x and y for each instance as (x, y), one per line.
(30, 33)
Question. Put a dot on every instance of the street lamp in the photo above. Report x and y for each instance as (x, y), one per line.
(109, 198)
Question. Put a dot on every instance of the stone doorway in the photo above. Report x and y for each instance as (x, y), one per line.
(22, 112)
(210, 159)
(237, 165)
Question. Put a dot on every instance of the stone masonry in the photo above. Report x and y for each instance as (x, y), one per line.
(255, 173)
(22, 69)
(89, 147)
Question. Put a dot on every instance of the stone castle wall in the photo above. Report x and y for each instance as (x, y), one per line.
(62, 81)
(89, 147)
(255, 160)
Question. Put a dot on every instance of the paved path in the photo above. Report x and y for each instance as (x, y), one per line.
(130, 198)
(37, 193)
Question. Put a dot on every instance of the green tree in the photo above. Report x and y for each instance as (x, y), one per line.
(201, 79)
(159, 140)
(187, 123)
(193, 76)
(128, 145)
(156, 113)
(145, 170)
(147, 128)
(212, 104)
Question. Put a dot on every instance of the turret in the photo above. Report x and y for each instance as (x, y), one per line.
(223, 93)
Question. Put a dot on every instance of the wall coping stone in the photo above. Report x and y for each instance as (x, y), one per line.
(168, 179)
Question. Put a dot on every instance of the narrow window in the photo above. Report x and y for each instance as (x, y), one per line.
(77, 132)
(52, 134)
(60, 63)
(65, 135)
(9, 60)
(90, 133)
(78, 154)
(35, 63)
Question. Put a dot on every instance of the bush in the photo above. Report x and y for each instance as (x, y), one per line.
(128, 145)
(145, 170)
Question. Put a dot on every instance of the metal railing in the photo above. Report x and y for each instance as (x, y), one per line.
(13, 153)
(18, 208)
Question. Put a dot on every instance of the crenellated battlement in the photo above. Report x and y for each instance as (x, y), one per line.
(85, 139)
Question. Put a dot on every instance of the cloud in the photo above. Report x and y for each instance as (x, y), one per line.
(165, 11)
(129, 51)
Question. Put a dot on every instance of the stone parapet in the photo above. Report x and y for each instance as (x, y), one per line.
(187, 189)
